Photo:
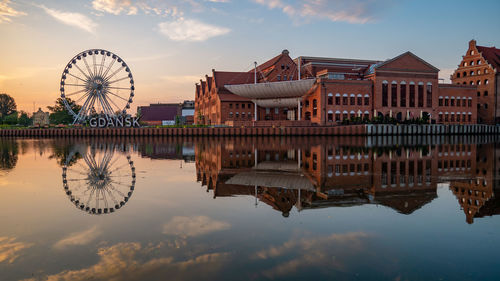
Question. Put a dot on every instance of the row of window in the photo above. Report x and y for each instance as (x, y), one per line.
(243, 115)
(394, 171)
(419, 102)
(346, 115)
(237, 105)
(349, 100)
(478, 82)
(471, 63)
(452, 117)
(472, 73)
(484, 95)
(455, 101)
(445, 164)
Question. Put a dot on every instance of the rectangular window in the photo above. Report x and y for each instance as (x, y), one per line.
(384, 94)
(429, 95)
(394, 95)
(237, 105)
(412, 95)
(402, 97)
(420, 95)
(470, 104)
(230, 105)
(242, 106)
(276, 111)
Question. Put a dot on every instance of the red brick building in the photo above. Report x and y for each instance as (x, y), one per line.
(480, 67)
(326, 91)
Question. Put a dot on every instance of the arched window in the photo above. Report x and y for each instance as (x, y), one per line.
(472, 82)
(485, 93)
(478, 72)
(464, 74)
(330, 116)
(344, 99)
(337, 116)
(367, 99)
(471, 73)
(385, 93)
(465, 63)
(394, 94)
(353, 99)
(446, 101)
(330, 99)
(472, 63)
(458, 74)
(478, 82)
(315, 107)
(440, 117)
(478, 62)
(337, 99)
(440, 101)
(485, 81)
(471, 52)
(360, 99)
(429, 94)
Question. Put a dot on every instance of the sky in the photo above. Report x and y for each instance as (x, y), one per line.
(170, 45)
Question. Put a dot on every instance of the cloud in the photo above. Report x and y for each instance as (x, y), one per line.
(10, 250)
(7, 12)
(115, 7)
(193, 226)
(190, 30)
(128, 261)
(78, 238)
(322, 252)
(351, 11)
(446, 73)
(72, 19)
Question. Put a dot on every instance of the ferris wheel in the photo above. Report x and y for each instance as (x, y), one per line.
(100, 82)
(102, 184)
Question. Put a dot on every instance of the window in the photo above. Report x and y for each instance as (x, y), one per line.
(242, 106)
(478, 82)
(360, 100)
(478, 72)
(446, 101)
(465, 63)
(237, 115)
(470, 117)
(268, 110)
(231, 114)
(429, 95)
(276, 110)
(440, 117)
(315, 107)
(307, 103)
(420, 95)
(284, 77)
(471, 73)
(472, 82)
(458, 102)
(337, 100)
(452, 101)
(279, 77)
(330, 99)
(485, 93)
(485, 106)
(237, 105)
(472, 63)
(384, 94)
(344, 99)
(452, 119)
(446, 117)
(330, 117)
(464, 102)
(353, 100)
(412, 95)
(485, 81)
(440, 101)
(469, 102)
(394, 94)
(367, 115)
(402, 93)
(230, 105)
(458, 74)
(478, 94)
(464, 74)
(478, 62)
(463, 117)
(337, 117)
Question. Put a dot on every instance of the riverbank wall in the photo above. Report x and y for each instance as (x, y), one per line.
(348, 130)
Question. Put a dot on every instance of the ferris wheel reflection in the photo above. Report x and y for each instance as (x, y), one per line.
(97, 179)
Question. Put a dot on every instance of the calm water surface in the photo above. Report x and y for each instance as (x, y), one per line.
(250, 209)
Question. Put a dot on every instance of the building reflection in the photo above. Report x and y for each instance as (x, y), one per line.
(309, 173)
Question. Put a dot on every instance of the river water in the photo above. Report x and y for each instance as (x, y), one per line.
(353, 208)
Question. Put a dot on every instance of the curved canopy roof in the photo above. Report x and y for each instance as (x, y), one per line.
(279, 102)
(282, 89)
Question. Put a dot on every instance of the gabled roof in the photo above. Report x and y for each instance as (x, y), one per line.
(222, 78)
(492, 55)
(388, 62)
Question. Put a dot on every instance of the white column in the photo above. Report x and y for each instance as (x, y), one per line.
(298, 109)
(254, 111)
(299, 156)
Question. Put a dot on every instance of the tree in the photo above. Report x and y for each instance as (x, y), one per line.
(24, 119)
(59, 114)
(10, 119)
(7, 105)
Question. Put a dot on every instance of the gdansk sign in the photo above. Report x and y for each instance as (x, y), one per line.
(114, 121)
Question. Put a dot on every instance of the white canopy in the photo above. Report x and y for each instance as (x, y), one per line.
(282, 89)
(286, 102)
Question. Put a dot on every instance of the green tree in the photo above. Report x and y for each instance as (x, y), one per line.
(24, 119)
(59, 114)
(11, 119)
(7, 105)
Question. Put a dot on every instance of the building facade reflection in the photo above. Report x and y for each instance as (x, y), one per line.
(310, 173)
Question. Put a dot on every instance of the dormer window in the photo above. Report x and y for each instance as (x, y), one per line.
(471, 52)
(471, 73)
(478, 62)
(282, 66)
(465, 63)
(472, 63)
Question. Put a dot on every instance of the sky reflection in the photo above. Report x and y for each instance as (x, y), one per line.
(250, 208)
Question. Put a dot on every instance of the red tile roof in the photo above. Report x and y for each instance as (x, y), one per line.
(492, 55)
(222, 78)
(160, 112)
